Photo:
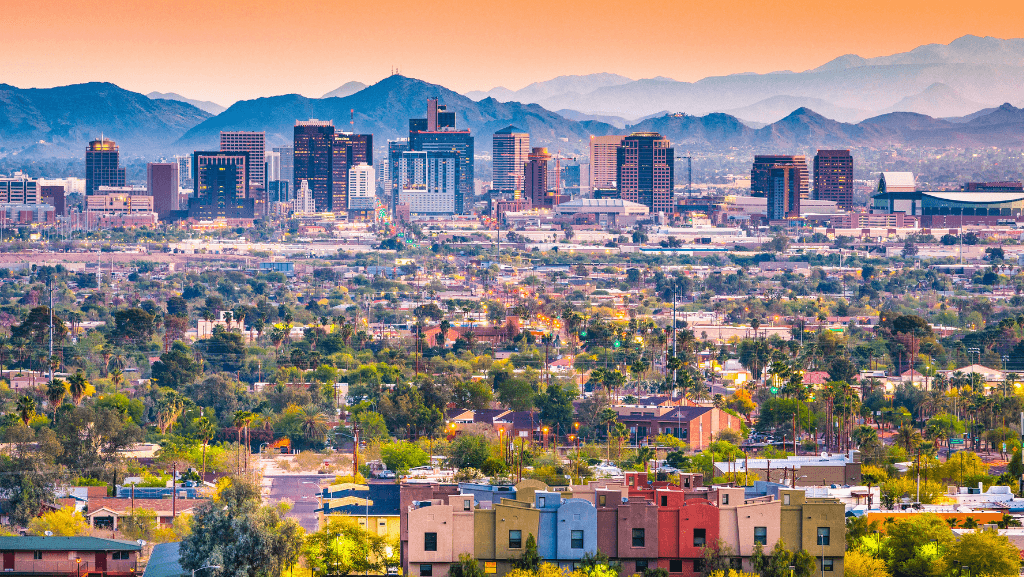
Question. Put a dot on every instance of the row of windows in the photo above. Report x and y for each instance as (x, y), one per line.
(639, 537)
(674, 566)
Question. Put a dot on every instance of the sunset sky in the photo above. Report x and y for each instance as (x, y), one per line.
(232, 49)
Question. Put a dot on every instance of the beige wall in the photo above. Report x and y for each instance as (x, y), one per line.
(59, 562)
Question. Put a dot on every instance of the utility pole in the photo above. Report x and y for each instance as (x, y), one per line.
(174, 491)
(49, 360)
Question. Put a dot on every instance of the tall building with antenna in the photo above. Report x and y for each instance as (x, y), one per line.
(312, 158)
(347, 151)
(438, 133)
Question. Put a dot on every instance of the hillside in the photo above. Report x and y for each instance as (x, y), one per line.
(65, 118)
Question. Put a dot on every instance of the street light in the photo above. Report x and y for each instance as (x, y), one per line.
(204, 567)
(78, 560)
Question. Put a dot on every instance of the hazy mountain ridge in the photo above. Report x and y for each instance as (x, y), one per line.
(564, 87)
(66, 118)
(205, 105)
(988, 71)
(347, 89)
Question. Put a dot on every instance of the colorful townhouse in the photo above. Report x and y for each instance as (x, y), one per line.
(641, 524)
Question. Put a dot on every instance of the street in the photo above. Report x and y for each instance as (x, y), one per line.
(301, 489)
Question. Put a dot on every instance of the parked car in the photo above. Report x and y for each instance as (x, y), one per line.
(385, 474)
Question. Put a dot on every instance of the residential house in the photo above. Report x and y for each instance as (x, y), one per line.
(107, 512)
(439, 531)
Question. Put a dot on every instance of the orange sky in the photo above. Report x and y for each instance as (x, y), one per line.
(232, 49)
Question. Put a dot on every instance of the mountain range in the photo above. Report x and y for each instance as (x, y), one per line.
(989, 71)
(926, 104)
(59, 122)
(205, 105)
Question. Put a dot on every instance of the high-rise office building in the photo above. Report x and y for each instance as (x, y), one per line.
(221, 186)
(362, 188)
(162, 184)
(272, 165)
(314, 141)
(287, 162)
(645, 170)
(252, 142)
(438, 133)
(102, 165)
(783, 181)
(536, 185)
(833, 177)
(763, 163)
(509, 152)
(395, 150)
(184, 171)
(604, 151)
(347, 150)
(19, 189)
(303, 201)
(428, 182)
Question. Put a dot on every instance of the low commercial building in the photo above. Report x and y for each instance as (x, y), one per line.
(809, 470)
(607, 211)
(108, 512)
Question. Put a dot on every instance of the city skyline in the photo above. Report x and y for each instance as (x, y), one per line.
(473, 63)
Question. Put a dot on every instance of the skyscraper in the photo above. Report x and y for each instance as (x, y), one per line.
(184, 171)
(272, 165)
(509, 152)
(438, 133)
(221, 186)
(783, 182)
(429, 181)
(287, 162)
(162, 183)
(833, 177)
(763, 163)
(395, 150)
(362, 188)
(536, 185)
(312, 159)
(645, 170)
(252, 142)
(102, 165)
(347, 150)
(604, 152)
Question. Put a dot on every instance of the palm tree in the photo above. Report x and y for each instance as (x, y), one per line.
(314, 427)
(78, 387)
(56, 390)
(205, 430)
(645, 454)
(970, 523)
(907, 437)
(242, 420)
(26, 408)
(117, 377)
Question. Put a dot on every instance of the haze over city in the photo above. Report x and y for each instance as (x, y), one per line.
(576, 289)
(310, 48)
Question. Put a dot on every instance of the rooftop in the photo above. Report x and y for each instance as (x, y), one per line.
(66, 544)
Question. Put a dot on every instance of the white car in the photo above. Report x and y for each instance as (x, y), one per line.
(605, 470)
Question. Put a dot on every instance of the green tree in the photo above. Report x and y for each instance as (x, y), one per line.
(400, 456)
(132, 326)
(530, 559)
(176, 368)
(904, 554)
(241, 536)
(556, 408)
(205, 431)
(466, 566)
(469, 450)
(64, 522)
(986, 553)
(372, 426)
(344, 548)
(26, 408)
(78, 387)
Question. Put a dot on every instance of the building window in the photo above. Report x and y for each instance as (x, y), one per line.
(37, 555)
(117, 555)
(826, 564)
(490, 567)
(699, 537)
(639, 538)
(736, 563)
(577, 539)
(602, 500)
(664, 500)
(675, 566)
(515, 539)
(824, 535)
(541, 501)
(725, 499)
(785, 498)
(430, 541)
(641, 565)
(761, 535)
(426, 570)
(698, 565)
(467, 505)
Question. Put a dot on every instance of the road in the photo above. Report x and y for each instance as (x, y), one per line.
(301, 490)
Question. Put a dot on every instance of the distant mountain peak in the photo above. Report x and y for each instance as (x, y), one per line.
(347, 89)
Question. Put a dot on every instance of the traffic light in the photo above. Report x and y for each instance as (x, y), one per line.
(617, 343)
(773, 389)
